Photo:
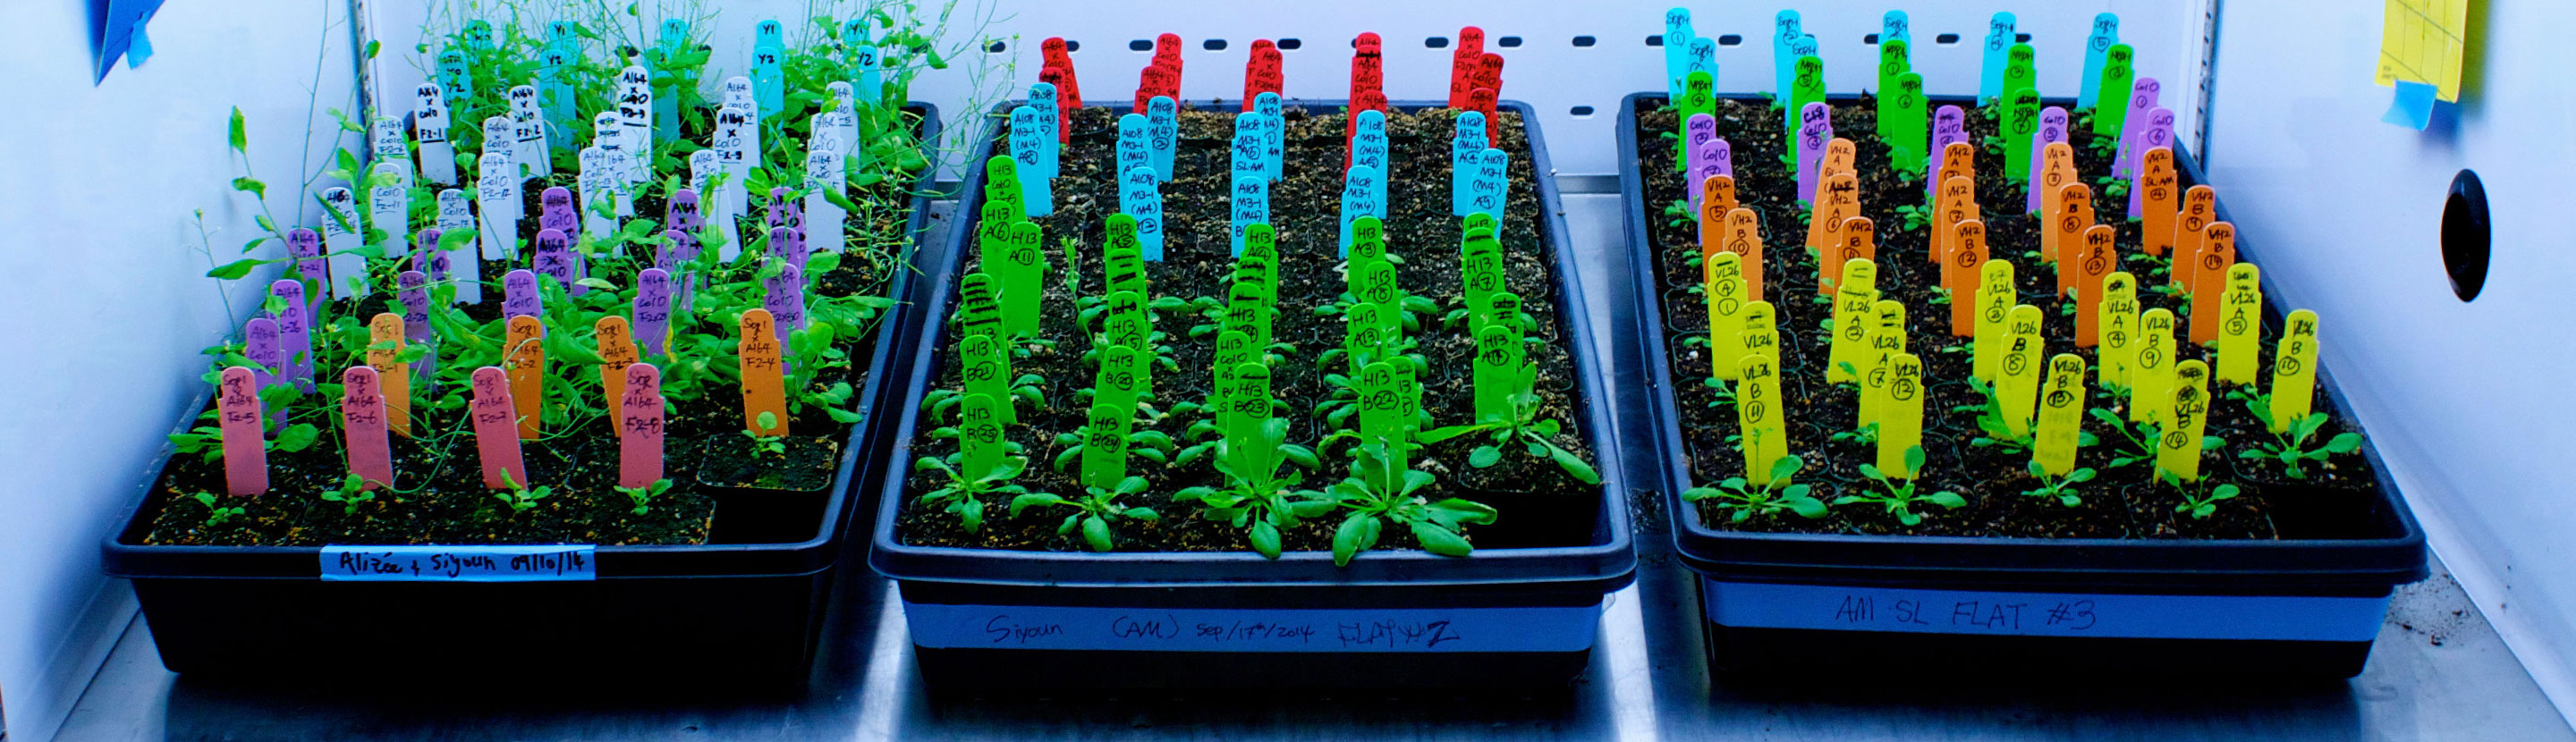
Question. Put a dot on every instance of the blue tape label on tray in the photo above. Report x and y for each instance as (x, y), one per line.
(518, 563)
(2113, 615)
(1507, 629)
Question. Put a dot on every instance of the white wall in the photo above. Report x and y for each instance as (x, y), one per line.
(107, 299)
(2465, 400)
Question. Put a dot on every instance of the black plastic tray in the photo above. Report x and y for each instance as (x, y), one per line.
(1398, 619)
(1832, 602)
(747, 608)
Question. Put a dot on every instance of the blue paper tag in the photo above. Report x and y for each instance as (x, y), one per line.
(1677, 41)
(1501, 629)
(1030, 140)
(1486, 192)
(1139, 196)
(1784, 63)
(1162, 133)
(1363, 194)
(2097, 51)
(1042, 97)
(2128, 616)
(1999, 43)
(1465, 148)
(1251, 204)
(513, 563)
(1368, 142)
(1894, 25)
(2412, 106)
(1274, 133)
(1133, 152)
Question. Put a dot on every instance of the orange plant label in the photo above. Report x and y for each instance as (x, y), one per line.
(2157, 201)
(1744, 238)
(763, 386)
(527, 360)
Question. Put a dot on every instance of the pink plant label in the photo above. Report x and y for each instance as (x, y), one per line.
(496, 429)
(2052, 130)
(2142, 101)
(557, 212)
(2159, 133)
(519, 294)
(639, 414)
(1815, 128)
(362, 418)
(260, 344)
(245, 452)
(1949, 124)
(295, 333)
(652, 310)
(553, 258)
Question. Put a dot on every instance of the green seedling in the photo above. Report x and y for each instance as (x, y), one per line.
(2062, 488)
(1997, 433)
(520, 497)
(2290, 446)
(1378, 493)
(1145, 444)
(216, 515)
(1779, 496)
(1916, 217)
(2196, 500)
(644, 496)
(2137, 442)
(963, 495)
(352, 491)
(1094, 512)
(775, 445)
(2111, 188)
(1521, 430)
(1028, 389)
(1901, 499)
(1677, 213)
(1866, 435)
(1257, 495)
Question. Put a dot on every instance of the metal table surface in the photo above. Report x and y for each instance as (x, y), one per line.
(2438, 672)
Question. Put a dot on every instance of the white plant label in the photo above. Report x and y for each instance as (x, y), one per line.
(389, 204)
(338, 241)
(464, 268)
(823, 174)
(528, 129)
(599, 186)
(429, 124)
(496, 186)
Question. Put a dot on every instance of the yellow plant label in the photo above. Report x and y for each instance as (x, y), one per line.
(1853, 317)
(2061, 415)
(1995, 298)
(2151, 373)
(2240, 325)
(1761, 333)
(1886, 341)
(2294, 370)
(1724, 285)
(1900, 423)
(1757, 416)
(2119, 325)
(2018, 388)
(2178, 452)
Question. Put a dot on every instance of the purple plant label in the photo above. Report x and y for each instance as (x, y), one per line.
(783, 210)
(415, 302)
(306, 247)
(268, 360)
(519, 295)
(2142, 101)
(554, 257)
(424, 249)
(295, 334)
(559, 214)
(682, 213)
(2159, 133)
(1698, 131)
(653, 310)
(2052, 130)
(1815, 128)
(786, 245)
(785, 300)
(1949, 124)
(678, 250)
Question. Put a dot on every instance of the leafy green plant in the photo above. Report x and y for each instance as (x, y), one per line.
(353, 490)
(2137, 441)
(2290, 446)
(1997, 433)
(1257, 495)
(1677, 213)
(774, 445)
(1865, 435)
(1378, 493)
(2198, 498)
(1916, 217)
(1146, 444)
(2061, 489)
(1522, 430)
(644, 496)
(1901, 499)
(963, 495)
(521, 498)
(1094, 512)
(217, 515)
(1029, 389)
(1745, 502)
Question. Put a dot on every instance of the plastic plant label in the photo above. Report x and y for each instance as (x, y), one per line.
(2017, 382)
(1261, 245)
(2294, 370)
(2061, 415)
(1248, 311)
(1488, 82)
(1383, 406)
(385, 345)
(238, 416)
(1761, 333)
(1482, 263)
(764, 400)
(2199, 208)
(2240, 325)
(2135, 118)
(1853, 316)
(1908, 135)
(1233, 349)
(362, 418)
(979, 433)
(1274, 133)
(455, 75)
(1116, 383)
(2119, 73)
(1815, 128)
(498, 193)
(1047, 114)
(1840, 195)
(2075, 214)
(1880, 343)
(2151, 374)
(1263, 72)
(1361, 334)
(389, 204)
(824, 220)
(1892, 62)
(1967, 260)
(986, 367)
(414, 297)
(1466, 146)
(978, 311)
(1488, 189)
(2020, 124)
(525, 351)
(554, 88)
(1368, 140)
(870, 86)
(2118, 321)
(1122, 261)
(1785, 35)
(1840, 155)
(2096, 260)
(1710, 158)
(1956, 198)
(1958, 160)
(1001, 186)
(2051, 170)
(1723, 285)
(1758, 412)
(1498, 373)
(1998, 42)
(638, 407)
(1743, 237)
(1029, 141)
(1104, 447)
(768, 83)
(1023, 273)
(1677, 40)
(496, 563)
(1162, 134)
(553, 258)
(616, 344)
(2097, 52)
(652, 309)
(1699, 98)
(2019, 69)
(2152, 200)
(2209, 279)
(1900, 419)
(1806, 86)
(1141, 197)
(340, 238)
(1249, 179)
(429, 122)
(496, 429)
(1362, 195)
(1859, 242)
(528, 126)
(2178, 453)
(1716, 198)
(294, 333)
(1125, 322)
(1949, 127)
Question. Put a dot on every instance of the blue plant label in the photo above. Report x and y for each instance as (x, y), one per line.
(1701, 57)
(1464, 150)
(768, 32)
(1363, 194)
(2112, 615)
(516, 563)
(1163, 133)
(1244, 155)
(1803, 47)
(1368, 142)
(1140, 195)
(1133, 152)
(554, 88)
(455, 76)
(1030, 140)
(1677, 40)
(1192, 629)
(768, 83)
(1274, 132)
(1894, 25)
(2097, 50)
(871, 86)
(854, 33)
(1487, 192)
(666, 96)
(1042, 97)
(1251, 204)
(1785, 31)
(1999, 44)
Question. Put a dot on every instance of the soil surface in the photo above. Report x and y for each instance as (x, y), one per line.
(2335, 500)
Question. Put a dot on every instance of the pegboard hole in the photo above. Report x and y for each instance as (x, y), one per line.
(1581, 112)
(1291, 44)
(1655, 40)
(1730, 40)
(1214, 45)
(1585, 41)
(1436, 42)
(2466, 235)
(1947, 38)
(1141, 45)
(1071, 46)
(1508, 42)
(2021, 38)
(1871, 39)
(996, 47)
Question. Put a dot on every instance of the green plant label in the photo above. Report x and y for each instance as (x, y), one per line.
(977, 312)
(1907, 126)
(1123, 265)
(987, 370)
(1807, 87)
(1368, 240)
(1408, 385)
(1499, 373)
(2018, 68)
(2020, 123)
(1374, 282)
(1482, 267)
(1503, 310)
(1699, 96)
(1259, 273)
(1261, 243)
(1384, 407)
(1892, 62)
(1127, 324)
(1249, 412)
(1233, 350)
(1119, 382)
(1104, 445)
(979, 433)
(1023, 269)
(2119, 74)
(1247, 311)
(1363, 334)
(1468, 225)
(993, 237)
(1002, 185)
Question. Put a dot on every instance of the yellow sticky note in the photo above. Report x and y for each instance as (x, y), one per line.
(2294, 370)
(2421, 41)
(2017, 382)
(1995, 299)
(1723, 283)
(2061, 415)
(2151, 370)
(2240, 325)
(1757, 417)
(1853, 300)
(2178, 452)
(1886, 341)
(1900, 421)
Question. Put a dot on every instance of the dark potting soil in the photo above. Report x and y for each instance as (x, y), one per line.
(2333, 501)
(439, 496)
(1305, 205)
